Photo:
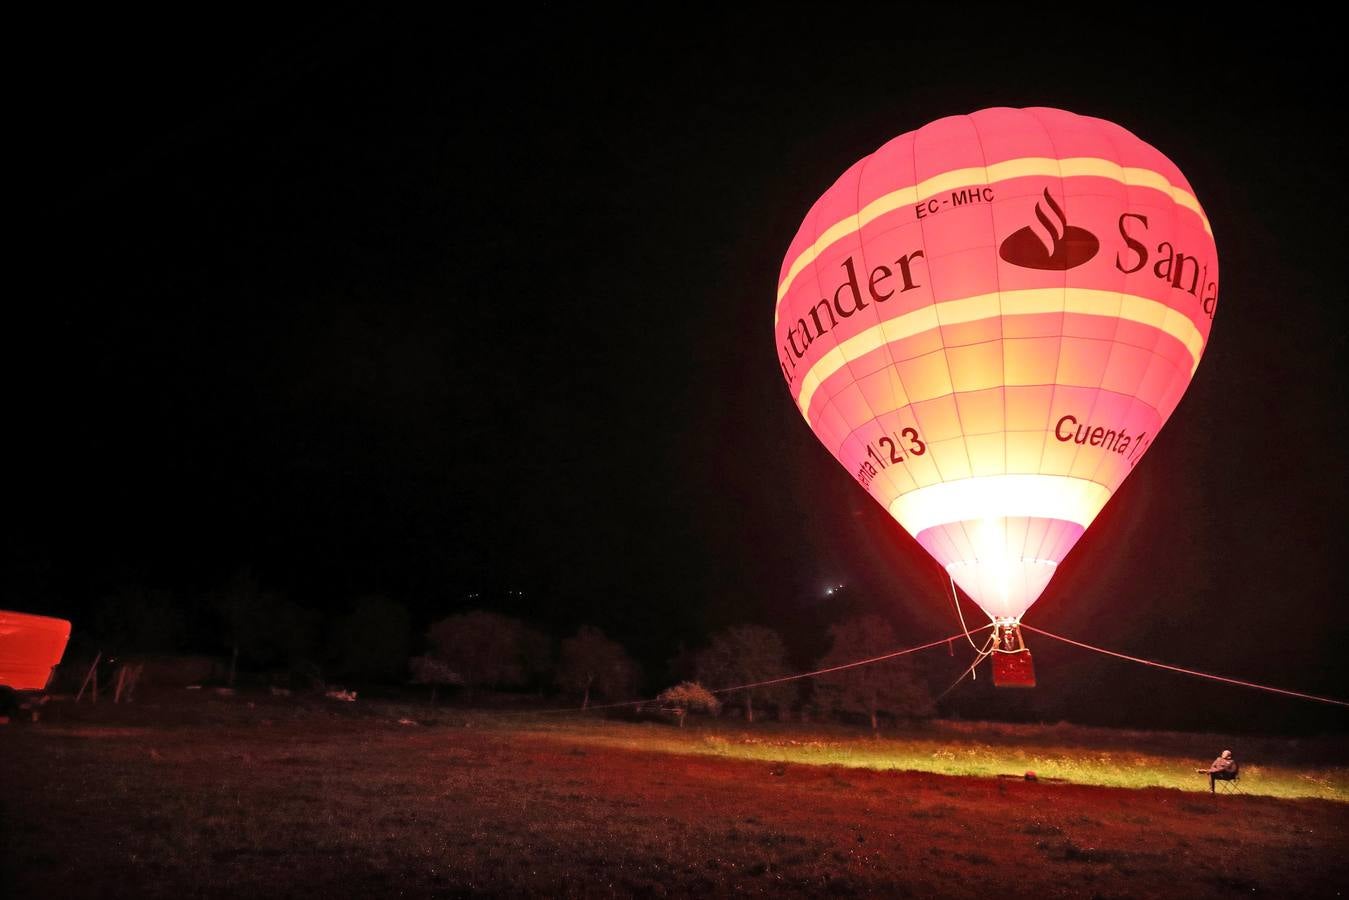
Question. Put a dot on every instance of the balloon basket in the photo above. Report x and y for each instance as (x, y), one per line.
(1013, 666)
(1013, 669)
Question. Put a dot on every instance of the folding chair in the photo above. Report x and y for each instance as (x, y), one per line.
(1229, 785)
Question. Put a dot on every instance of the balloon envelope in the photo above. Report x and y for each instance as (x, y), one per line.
(30, 647)
(987, 321)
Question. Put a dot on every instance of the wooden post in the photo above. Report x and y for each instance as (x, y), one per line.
(93, 670)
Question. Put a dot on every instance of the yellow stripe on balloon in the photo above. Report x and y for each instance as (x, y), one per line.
(1031, 166)
(1000, 496)
(1081, 301)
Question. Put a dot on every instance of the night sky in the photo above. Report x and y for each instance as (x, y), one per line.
(431, 308)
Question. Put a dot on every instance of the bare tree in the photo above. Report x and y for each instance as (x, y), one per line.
(591, 662)
(432, 671)
(892, 686)
(743, 655)
(689, 695)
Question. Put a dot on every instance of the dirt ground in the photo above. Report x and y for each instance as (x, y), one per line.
(305, 802)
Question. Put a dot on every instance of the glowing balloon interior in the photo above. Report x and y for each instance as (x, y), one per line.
(987, 321)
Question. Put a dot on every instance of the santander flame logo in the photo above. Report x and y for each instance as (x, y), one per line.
(1057, 246)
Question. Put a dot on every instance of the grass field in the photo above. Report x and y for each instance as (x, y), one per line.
(217, 797)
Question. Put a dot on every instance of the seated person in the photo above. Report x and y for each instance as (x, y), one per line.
(1224, 768)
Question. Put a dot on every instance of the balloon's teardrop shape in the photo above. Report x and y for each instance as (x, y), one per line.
(987, 321)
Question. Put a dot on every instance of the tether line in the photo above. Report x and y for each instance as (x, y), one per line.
(1160, 665)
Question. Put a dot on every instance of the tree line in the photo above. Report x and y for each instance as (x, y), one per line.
(485, 650)
(479, 651)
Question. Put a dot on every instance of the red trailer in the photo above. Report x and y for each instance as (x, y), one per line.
(30, 649)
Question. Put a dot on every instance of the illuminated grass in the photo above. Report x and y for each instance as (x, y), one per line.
(259, 796)
(968, 749)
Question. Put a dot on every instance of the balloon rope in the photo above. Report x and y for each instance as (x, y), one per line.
(1211, 677)
(741, 687)
(851, 665)
(983, 653)
(956, 599)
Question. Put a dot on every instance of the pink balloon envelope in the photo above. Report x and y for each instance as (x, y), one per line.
(987, 321)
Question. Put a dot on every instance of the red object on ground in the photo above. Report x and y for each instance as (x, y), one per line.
(30, 648)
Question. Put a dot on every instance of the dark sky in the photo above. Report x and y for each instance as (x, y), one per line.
(435, 307)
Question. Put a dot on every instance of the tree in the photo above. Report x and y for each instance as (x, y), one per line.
(591, 662)
(536, 657)
(137, 620)
(238, 604)
(429, 670)
(372, 640)
(892, 686)
(689, 695)
(742, 655)
(486, 649)
(262, 627)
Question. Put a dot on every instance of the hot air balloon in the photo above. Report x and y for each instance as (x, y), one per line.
(987, 321)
